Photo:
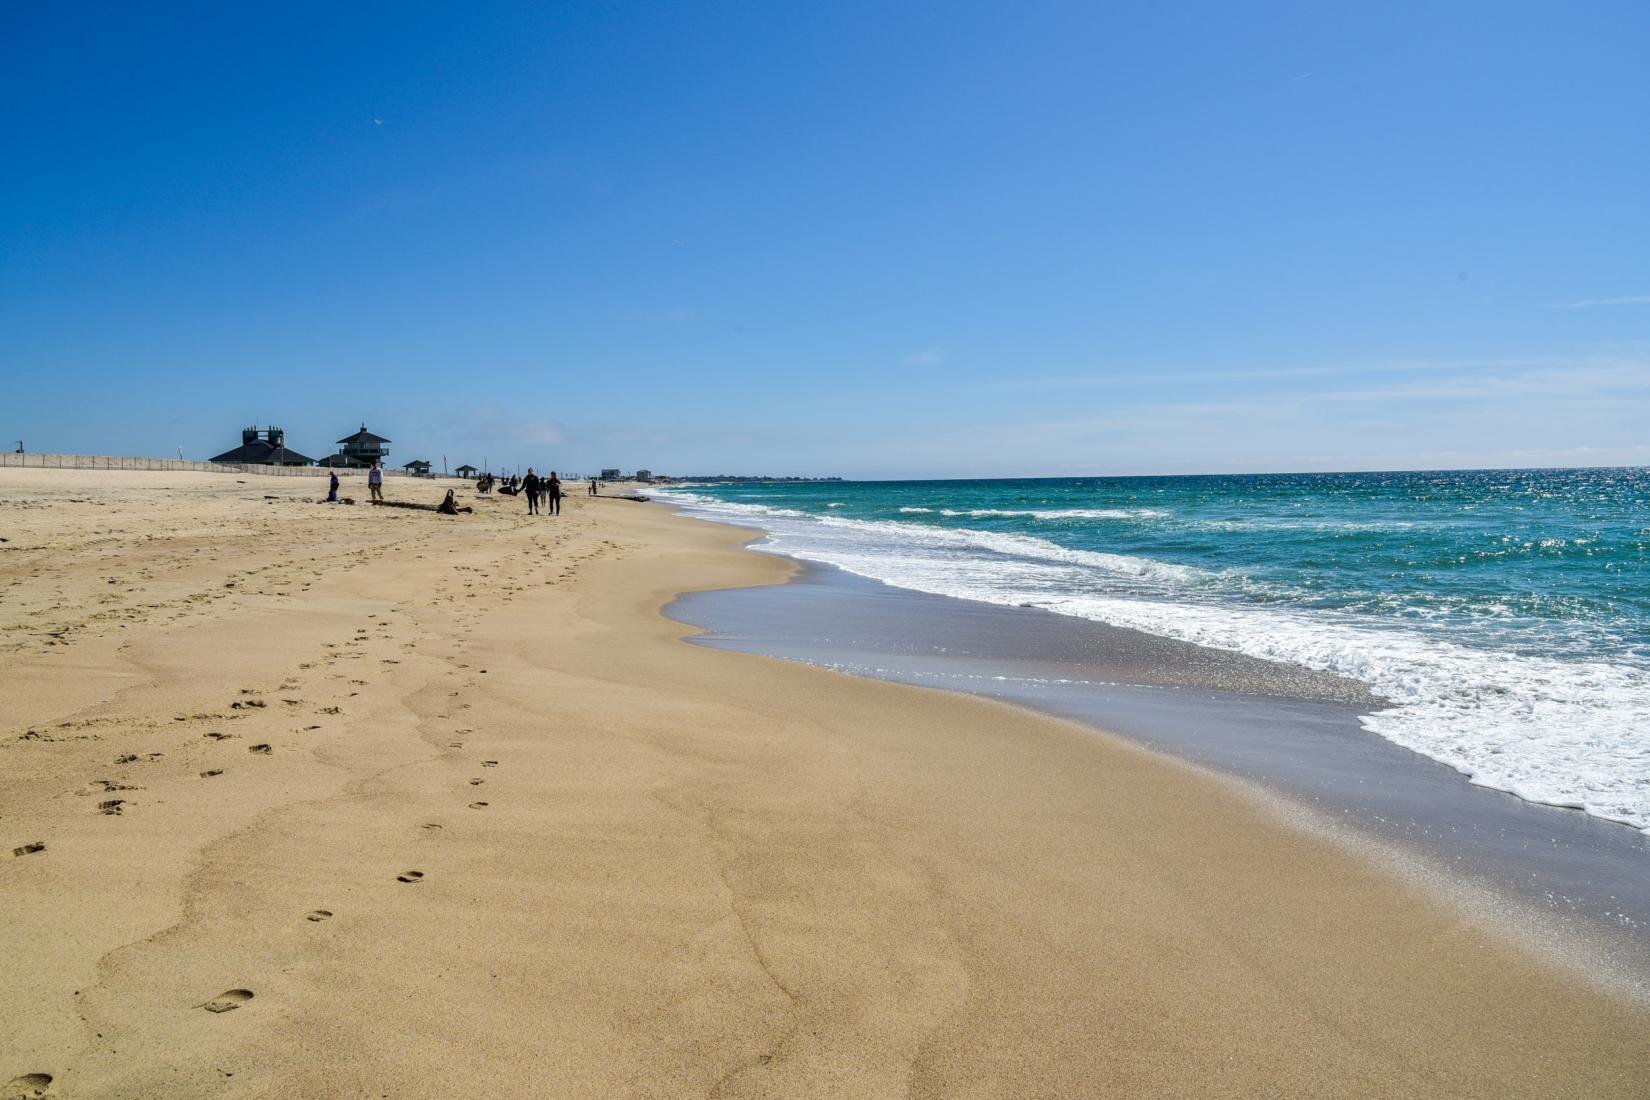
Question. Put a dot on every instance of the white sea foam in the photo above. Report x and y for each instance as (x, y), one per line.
(1562, 732)
(1054, 513)
(909, 511)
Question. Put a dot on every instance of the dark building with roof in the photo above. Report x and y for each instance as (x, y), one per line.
(417, 468)
(264, 448)
(361, 449)
(466, 471)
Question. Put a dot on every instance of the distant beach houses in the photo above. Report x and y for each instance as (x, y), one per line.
(358, 450)
(467, 471)
(265, 447)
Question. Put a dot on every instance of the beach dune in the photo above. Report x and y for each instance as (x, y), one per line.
(307, 800)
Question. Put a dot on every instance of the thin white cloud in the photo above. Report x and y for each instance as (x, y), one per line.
(538, 431)
(927, 357)
(493, 424)
(1589, 303)
(1377, 367)
(1585, 411)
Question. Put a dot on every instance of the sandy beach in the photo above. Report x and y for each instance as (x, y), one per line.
(347, 801)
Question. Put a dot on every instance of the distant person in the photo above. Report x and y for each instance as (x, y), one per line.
(332, 487)
(592, 486)
(375, 480)
(552, 494)
(530, 485)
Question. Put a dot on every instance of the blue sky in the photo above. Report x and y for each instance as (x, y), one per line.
(866, 239)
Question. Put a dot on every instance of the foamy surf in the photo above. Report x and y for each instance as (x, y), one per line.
(1553, 730)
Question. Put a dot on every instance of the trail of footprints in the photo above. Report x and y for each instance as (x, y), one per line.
(251, 706)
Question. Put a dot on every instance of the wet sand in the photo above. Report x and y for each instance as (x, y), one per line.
(1556, 878)
(352, 801)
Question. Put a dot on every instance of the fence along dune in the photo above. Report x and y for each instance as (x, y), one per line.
(44, 461)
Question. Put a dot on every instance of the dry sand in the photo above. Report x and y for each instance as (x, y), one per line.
(454, 806)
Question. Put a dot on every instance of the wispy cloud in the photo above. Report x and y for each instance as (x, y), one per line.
(1372, 368)
(927, 357)
(1529, 411)
(491, 423)
(1589, 303)
(538, 431)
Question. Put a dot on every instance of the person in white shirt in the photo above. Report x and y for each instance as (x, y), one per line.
(375, 480)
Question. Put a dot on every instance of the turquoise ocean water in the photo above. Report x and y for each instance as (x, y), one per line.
(1505, 614)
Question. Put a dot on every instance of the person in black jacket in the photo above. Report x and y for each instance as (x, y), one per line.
(530, 486)
(552, 494)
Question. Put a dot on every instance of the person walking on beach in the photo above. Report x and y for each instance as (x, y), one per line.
(592, 486)
(552, 494)
(530, 486)
(375, 480)
(332, 487)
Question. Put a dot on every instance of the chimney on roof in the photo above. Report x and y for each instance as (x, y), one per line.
(249, 435)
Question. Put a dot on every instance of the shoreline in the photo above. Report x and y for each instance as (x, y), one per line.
(1500, 647)
(1558, 880)
(691, 872)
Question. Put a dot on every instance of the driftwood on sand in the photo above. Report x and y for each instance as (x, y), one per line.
(447, 507)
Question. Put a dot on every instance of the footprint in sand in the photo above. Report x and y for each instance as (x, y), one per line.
(410, 877)
(478, 805)
(320, 915)
(261, 750)
(30, 1085)
(220, 736)
(430, 825)
(112, 806)
(228, 1001)
(477, 782)
(209, 773)
(29, 849)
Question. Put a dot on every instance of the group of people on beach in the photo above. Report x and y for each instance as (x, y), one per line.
(375, 483)
(543, 493)
(537, 490)
(546, 488)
